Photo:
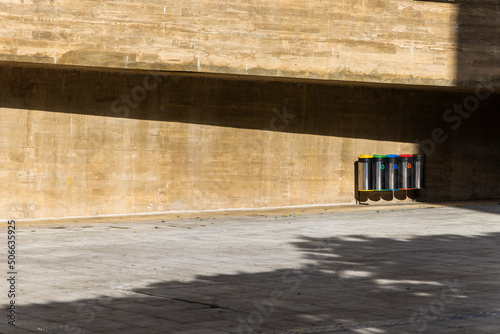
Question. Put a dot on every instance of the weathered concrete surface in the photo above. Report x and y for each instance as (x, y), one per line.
(412, 42)
(378, 271)
(478, 40)
(86, 143)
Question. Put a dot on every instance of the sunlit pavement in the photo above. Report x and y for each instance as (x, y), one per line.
(391, 270)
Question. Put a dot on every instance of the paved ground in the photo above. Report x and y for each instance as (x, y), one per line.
(377, 270)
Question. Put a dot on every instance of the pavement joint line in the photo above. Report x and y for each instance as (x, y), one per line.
(183, 300)
(387, 323)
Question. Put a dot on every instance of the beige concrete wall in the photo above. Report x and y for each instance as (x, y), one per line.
(70, 146)
(392, 41)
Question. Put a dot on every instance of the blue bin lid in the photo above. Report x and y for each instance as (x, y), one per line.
(392, 156)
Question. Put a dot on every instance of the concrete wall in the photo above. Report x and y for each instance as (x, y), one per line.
(77, 142)
(390, 41)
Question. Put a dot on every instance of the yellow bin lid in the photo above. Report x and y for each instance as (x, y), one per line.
(364, 156)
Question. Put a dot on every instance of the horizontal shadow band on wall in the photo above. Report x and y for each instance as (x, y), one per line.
(376, 112)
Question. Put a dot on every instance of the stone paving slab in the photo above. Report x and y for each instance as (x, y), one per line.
(417, 269)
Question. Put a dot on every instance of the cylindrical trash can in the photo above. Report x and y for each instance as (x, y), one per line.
(391, 172)
(419, 171)
(378, 166)
(405, 172)
(365, 173)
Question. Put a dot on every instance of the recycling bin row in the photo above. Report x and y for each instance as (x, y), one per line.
(391, 172)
